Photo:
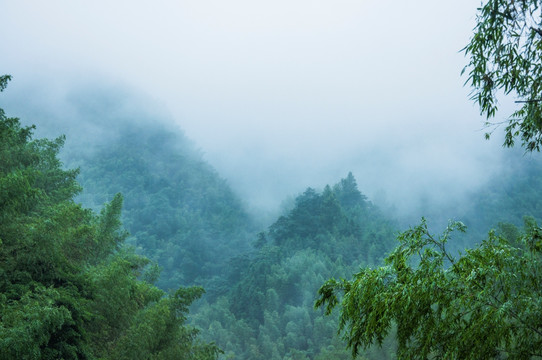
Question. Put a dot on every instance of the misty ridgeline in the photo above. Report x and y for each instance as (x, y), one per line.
(342, 205)
(120, 241)
(88, 272)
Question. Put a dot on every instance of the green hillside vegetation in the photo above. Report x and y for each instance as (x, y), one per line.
(72, 287)
(69, 289)
(260, 287)
(183, 216)
(268, 314)
(179, 212)
(486, 301)
(331, 278)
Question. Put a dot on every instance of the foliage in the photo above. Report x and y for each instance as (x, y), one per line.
(71, 288)
(41, 308)
(180, 213)
(4, 79)
(267, 312)
(68, 287)
(334, 221)
(318, 222)
(505, 56)
(485, 304)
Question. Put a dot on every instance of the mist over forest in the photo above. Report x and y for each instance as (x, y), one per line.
(309, 180)
(260, 267)
(279, 96)
(423, 175)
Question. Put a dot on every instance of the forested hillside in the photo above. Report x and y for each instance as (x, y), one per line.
(268, 312)
(178, 210)
(69, 288)
(104, 261)
(261, 283)
(120, 241)
(484, 302)
(71, 268)
(260, 288)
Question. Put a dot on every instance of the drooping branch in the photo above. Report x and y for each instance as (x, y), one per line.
(538, 31)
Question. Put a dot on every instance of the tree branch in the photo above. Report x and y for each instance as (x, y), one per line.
(538, 31)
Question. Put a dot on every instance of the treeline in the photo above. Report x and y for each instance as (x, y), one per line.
(76, 284)
(268, 311)
(260, 287)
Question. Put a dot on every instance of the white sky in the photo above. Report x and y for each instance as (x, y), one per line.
(279, 95)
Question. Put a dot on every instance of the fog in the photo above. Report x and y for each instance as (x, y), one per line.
(278, 95)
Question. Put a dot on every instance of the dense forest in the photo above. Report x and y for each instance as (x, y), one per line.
(132, 246)
(485, 301)
(260, 283)
(182, 225)
(69, 288)
(179, 212)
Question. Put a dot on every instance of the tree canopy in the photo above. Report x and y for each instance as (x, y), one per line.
(69, 289)
(179, 211)
(266, 312)
(486, 302)
(504, 54)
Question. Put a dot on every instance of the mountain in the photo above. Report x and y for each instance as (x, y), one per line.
(179, 211)
(268, 311)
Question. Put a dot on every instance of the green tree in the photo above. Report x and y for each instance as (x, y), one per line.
(505, 58)
(4, 79)
(160, 332)
(485, 304)
(42, 301)
(68, 288)
(348, 194)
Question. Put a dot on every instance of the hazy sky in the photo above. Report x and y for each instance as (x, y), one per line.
(279, 95)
